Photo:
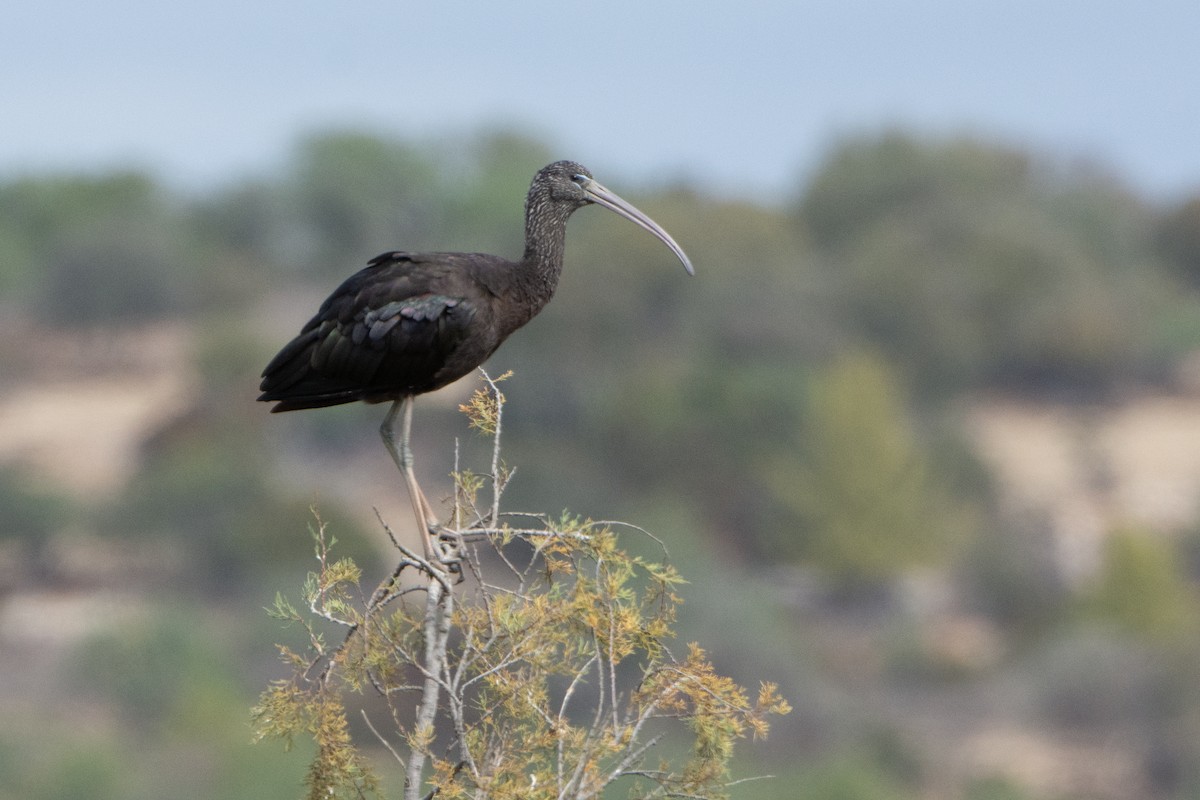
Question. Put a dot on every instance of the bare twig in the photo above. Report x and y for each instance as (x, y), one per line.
(383, 740)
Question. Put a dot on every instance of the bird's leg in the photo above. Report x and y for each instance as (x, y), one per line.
(427, 523)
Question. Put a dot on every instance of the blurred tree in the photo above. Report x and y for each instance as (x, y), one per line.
(207, 486)
(1009, 573)
(250, 240)
(86, 770)
(1178, 238)
(1093, 678)
(860, 492)
(1143, 589)
(97, 249)
(847, 777)
(995, 788)
(158, 673)
(868, 179)
(972, 264)
(18, 259)
(249, 216)
(357, 195)
(27, 510)
(484, 211)
(30, 514)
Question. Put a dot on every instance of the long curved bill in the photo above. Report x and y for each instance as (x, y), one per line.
(602, 196)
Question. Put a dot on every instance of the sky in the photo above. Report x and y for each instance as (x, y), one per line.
(744, 98)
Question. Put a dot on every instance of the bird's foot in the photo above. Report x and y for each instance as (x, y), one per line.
(445, 546)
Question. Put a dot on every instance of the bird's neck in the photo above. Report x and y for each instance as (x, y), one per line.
(545, 245)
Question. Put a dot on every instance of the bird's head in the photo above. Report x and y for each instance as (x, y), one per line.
(565, 182)
(571, 185)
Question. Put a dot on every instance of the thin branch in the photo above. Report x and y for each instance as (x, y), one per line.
(562, 710)
(749, 779)
(601, 702)
(497, 481)
(475, 534)
(570, 691)
(382, 740)
(439, 599)
(648, 712)
(629, 760)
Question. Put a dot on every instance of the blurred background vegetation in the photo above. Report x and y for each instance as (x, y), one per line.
(792, 422)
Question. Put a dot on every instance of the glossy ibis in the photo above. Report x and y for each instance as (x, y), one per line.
(410, 323)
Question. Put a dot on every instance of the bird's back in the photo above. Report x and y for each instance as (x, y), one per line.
(407, 324)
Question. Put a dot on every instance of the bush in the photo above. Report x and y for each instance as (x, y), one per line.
(1143, 589)
(547, 671)
(863, 500)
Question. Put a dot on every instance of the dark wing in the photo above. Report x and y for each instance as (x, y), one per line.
(401, 326)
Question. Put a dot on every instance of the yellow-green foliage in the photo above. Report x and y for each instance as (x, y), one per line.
(313, 708)
(1143, 589)
(483, 409)
(551, 678)
(288, 709)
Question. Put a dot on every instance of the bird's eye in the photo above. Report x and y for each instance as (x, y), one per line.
(580, 179)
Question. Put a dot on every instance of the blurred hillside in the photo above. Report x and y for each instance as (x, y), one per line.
(924, 439)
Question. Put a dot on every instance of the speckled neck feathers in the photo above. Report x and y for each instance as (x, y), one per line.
(545, 244)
